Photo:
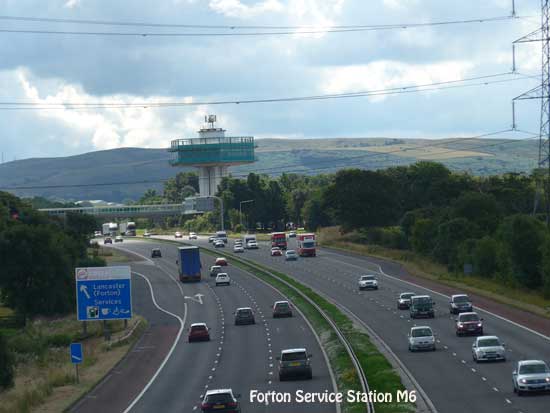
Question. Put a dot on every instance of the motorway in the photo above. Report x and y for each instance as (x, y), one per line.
(451, 379)
(238, 357)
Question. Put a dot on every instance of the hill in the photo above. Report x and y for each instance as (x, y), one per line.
(77, 177)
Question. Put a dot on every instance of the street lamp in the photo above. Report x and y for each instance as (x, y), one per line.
(241, 209)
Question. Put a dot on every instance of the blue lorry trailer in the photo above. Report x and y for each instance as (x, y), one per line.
(189, 263)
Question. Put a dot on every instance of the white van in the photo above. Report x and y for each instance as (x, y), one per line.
(247, 238)
(222, 235)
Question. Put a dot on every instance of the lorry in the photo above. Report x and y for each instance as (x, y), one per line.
(306, 245)
(222, 235)
(109, 229)
(278, 239)
(189, 263)
(105, 229)
(128, 229)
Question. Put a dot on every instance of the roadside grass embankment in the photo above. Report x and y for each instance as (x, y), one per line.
(45, 378)
(493, 288)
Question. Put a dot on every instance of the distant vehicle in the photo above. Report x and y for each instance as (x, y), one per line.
(189, 263)
(131, 229)
(469, 323)
(252, 245)
(306, 245)
(113, 228)
(222, 235)
(276, 252)
(238, 242)
(282, 309)
(368, 282)
(404, 301)
(531, 376)
(105, 229)
(198, 332)
(488, 348)
(98, 234)
(290, 255)
(178, 234)
(278, 239)
(238, 248)
(292, 234)
(147, 234)
(211, 238)
(244, 315)
(223, 279)
(221, 261)
(220, 400)
(107, 240)
(155, 252)
(247, 238)
(192, 235)
(421, 338)
(460, 303)
(422, 306)
(119, 238)
(219, 243)
(294, 362)
(215, 270)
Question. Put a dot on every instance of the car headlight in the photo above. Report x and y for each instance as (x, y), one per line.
(460, 325)
(522, 381)
(547, 380)
(479, 324)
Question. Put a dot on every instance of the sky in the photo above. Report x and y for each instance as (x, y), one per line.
(43, 68)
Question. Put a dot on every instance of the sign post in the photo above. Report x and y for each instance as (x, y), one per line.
(76, 357)
(103, 293)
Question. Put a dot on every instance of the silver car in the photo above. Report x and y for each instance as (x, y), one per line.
(531, 376)
(488, 348)
(421, 338)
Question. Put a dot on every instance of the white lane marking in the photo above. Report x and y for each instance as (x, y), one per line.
(495, 389)
(381, 271)
(167, 357)
(508, 401)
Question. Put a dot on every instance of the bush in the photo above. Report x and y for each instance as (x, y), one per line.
(485, 257)
(6, 364)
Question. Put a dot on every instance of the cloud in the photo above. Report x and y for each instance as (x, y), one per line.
(234, 8)
(72, 3)
(399, 4)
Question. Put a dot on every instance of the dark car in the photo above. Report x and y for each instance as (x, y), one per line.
(422, 306)
(294, 363)
(404, 301)
(469, 323)
(220, 400)
(460, 303)
(198, 332)
(155, 252)
(107, 240)
(282, 309)
(244, 315)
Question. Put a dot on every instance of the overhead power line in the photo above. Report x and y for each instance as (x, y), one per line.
(435, 86)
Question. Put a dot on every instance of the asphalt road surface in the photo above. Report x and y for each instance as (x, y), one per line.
(452, 380)
(239, 357)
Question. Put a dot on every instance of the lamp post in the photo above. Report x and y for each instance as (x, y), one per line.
(241, 209)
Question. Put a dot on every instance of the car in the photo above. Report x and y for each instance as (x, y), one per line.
(223, 279)
(192, 235)
(146, 234)
(294, 362)
(119, 238)
(244, 315)
(368, 282)
(238, 248)
(220, 400)
(221, 261)
(292, 234)
(212, 238)
(488, 348)
(219, 243)
(422, 306)
(97, 234)
(421, 338)
(215, 270)
(469, 323)
(178, 234)
(238, 241)
(282, 309)
(252, 245)
(198, 332)
(276, 252)
(155, 252)
(107, 240)
(290, 255)
(531, 376)
(404, 301)
(460, 303)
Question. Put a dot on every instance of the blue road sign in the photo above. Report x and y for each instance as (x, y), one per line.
(103, 293)
(76, 353)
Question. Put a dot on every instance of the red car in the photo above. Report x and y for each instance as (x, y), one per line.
(276, 252)
(469, 323)
(198, 332)
(221, 261)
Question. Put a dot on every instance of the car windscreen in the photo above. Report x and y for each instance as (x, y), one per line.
(533, 369)
(219, 398)
(299, 355)
(488, 342)
(422, 300)
(308, 244)
(406, 296)
(422, 332)
(468, 317)
(367, 278)
(461, 299)
(291, 252)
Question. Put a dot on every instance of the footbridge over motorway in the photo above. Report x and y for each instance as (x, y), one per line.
(125, 211)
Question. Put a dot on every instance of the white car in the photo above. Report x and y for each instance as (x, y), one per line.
(238, 248)
(219, 243)
(119, 238)
(531, 376)
(488, 348)
(192, 235)
(178, 234)
(223, 279)
(368, 282)
(146, 234)
(421, 338)
(290, 255)
(252, 245)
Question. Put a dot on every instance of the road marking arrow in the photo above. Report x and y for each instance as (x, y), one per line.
(197, 298)
(84, 289)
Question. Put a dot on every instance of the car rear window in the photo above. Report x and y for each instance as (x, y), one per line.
(245, 312)
(488, 342)
(407, 296)
(422, 300)
(281, 305)
(469, 317)
(422, 332)
(219, 398)
(461, 299)
(198, 328)
(299, 355)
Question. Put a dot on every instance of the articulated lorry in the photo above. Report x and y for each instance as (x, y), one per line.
(109, 229)
(189, 263)
(128, 229)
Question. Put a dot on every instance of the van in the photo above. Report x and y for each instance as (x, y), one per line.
(222, 235)
(247, 238)
(422, 306)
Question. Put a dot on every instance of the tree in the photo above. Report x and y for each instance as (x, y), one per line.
(7, 365)
(545, 267)
(485, 256)
(450, 234)
(183, 185)
(478, 208)
(150, 197)
(423, 236)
